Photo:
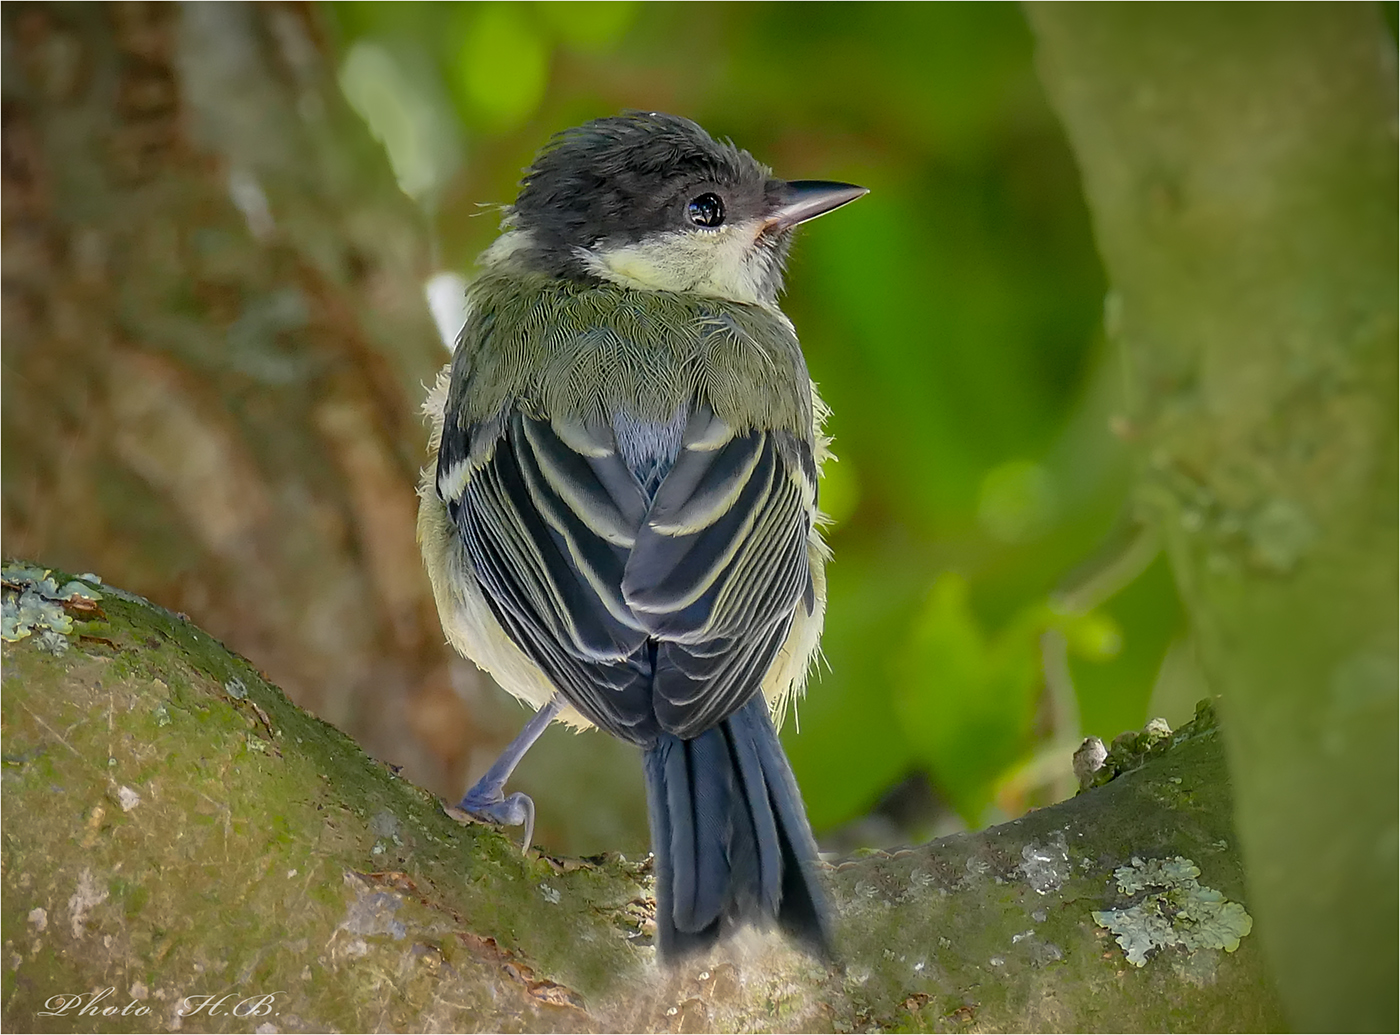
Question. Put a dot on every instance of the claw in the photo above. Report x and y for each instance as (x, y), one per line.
(488, 806)
(528, 804)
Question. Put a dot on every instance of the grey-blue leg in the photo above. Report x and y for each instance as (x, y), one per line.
(487, 799)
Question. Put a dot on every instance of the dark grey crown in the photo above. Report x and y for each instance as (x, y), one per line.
(621, 178)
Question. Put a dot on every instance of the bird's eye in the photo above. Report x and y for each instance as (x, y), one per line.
(706, 210)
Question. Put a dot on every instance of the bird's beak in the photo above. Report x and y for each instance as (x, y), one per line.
(801, 200)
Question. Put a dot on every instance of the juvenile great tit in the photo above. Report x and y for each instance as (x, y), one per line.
(619, 511)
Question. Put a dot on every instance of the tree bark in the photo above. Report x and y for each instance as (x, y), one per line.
(215, 340)
(1240, 167)
(176, 828)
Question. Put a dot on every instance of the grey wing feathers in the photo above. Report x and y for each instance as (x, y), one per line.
(649, 614)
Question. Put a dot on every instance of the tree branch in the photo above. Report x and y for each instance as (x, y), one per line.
(175, 827)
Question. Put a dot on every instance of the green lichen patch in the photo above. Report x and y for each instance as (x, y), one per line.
(1170, 907)
(34, 604)
(993, 930)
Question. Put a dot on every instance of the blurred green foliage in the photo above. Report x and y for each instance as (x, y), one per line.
(952, 320)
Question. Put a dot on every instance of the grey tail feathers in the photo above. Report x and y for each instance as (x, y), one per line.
(730, 838)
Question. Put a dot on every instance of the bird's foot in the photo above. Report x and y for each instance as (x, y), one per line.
(489, 805)
(487, 800)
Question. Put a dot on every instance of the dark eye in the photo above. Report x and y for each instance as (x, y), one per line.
(706, 210)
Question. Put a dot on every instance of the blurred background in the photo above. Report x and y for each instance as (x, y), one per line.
(236, 240)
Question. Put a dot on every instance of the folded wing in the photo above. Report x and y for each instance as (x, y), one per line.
(648, 613)
(720, 566)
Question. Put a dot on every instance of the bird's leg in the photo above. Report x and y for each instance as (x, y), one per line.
(487, 800)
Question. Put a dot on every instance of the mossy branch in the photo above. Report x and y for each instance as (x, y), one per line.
(176, 828)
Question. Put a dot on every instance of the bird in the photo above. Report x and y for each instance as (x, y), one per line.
(619, 513)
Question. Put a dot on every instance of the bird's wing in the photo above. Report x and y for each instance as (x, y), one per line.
(582, 570)
(720, 566)
(549, 513)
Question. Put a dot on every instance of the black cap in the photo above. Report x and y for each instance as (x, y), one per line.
(630, 175)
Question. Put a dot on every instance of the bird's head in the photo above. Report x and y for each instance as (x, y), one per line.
(653, 202)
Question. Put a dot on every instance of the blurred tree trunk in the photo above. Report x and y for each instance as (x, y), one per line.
(214, 341)
(1240, 165)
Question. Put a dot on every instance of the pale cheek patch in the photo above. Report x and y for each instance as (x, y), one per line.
(722, 264)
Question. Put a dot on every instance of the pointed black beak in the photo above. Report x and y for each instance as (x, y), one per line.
(801, 200)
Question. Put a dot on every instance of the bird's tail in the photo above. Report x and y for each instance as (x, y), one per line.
(730, 838)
